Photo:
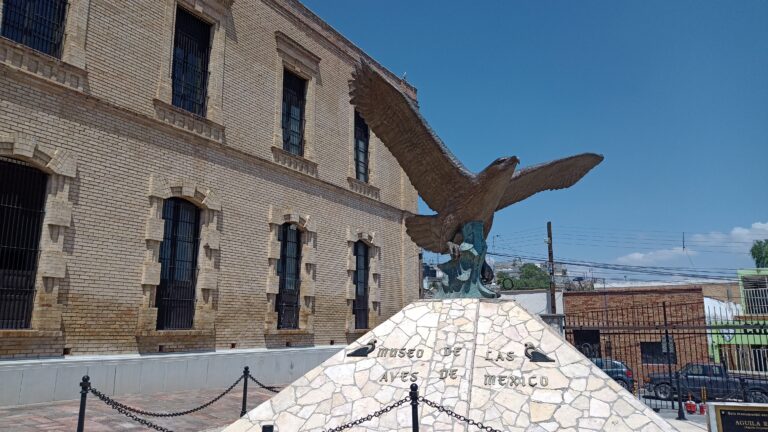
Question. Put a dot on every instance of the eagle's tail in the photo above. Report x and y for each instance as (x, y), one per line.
(426, 232)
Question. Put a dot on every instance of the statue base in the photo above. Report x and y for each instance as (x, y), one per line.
(467, 355)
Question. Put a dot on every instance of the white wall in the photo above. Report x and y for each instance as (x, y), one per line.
(33, 381)
(534, 301)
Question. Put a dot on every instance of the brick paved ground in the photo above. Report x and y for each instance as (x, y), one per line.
(62, 416)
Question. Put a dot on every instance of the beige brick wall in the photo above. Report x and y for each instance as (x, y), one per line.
(110, 126)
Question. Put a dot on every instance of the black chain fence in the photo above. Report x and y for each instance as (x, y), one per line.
(369, 417)
(265, 387)
(130, 412)
(133, 413)
(414, 398)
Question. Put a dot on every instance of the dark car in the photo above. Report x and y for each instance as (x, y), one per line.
(716, 380)
(616, 370)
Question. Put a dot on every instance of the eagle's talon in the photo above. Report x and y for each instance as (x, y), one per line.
(454, 250)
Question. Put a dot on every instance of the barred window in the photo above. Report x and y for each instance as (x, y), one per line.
(294, 95)
(656, 353)
(288, 268)
(360, 304)
(38, 24)
(191, 50)
(362, 136)
(178, 259)
(22, 200)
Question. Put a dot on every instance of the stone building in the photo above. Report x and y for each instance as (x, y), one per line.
(189, 175)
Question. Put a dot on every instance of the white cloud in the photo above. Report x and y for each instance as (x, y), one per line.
(654, 257)
(738, 239)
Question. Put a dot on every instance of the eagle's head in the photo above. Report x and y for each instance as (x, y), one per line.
(500, 165)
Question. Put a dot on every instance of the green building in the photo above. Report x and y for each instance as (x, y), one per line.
(741, 341)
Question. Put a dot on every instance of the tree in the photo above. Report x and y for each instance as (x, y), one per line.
(531, 277)
(759, 253)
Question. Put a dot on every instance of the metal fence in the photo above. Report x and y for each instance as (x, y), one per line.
(138, 414)
(667, 354)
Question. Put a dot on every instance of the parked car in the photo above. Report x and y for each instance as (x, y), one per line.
(616, 370)
(717, 381)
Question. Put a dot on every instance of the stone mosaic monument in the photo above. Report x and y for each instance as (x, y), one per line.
(467, 355)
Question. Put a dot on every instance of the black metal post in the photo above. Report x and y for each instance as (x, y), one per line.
(85, 385)
(665, 341)
(246, 372)
(743, 390)
(680, 411)
(414, 393)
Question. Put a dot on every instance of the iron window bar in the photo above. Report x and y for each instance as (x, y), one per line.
(287, 302)
(22, 203)
(191, 52)
(360, 304)
(294, 95)
(175, 297)
(38, 24)
(362, 137)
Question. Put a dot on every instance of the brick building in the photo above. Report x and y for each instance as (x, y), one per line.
(648, 329)
(187, 175)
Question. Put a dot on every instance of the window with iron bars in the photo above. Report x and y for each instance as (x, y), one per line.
(22, 202)
(191, 50)
(360, 304)
(289, 271)
(175, 297)
(38, 24)
(294, 94)
(362, 136)
(656, 353)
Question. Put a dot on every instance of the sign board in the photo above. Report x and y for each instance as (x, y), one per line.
(737, 417)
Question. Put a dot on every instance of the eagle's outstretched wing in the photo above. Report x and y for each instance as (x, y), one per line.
(557, 174)
(435, 173)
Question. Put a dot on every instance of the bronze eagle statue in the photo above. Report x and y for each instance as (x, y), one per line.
(457, 195)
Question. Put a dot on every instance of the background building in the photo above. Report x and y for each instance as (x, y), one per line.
(183, 175)
(648, 329)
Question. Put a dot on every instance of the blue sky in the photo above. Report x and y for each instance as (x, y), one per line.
(673, 93)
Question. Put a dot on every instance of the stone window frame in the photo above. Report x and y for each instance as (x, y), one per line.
(209, 254)
(214, 12)
(69, 71)
(368, 188)
(277, 217)
(374, 278)
(305, 64)
(61, 167)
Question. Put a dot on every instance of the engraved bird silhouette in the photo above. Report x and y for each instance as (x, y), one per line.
(534, 355)
(456, 195)
(364, 350)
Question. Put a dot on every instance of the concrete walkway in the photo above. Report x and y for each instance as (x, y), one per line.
(99, 417)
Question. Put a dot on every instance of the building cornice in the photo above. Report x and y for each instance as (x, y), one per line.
(347, 50)
(189, 135)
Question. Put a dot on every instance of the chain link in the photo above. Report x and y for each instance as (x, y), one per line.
(266, 387)
(457, 416)
(117, 405)
(369, 417)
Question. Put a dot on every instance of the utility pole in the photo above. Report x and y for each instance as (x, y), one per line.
(553, 305)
